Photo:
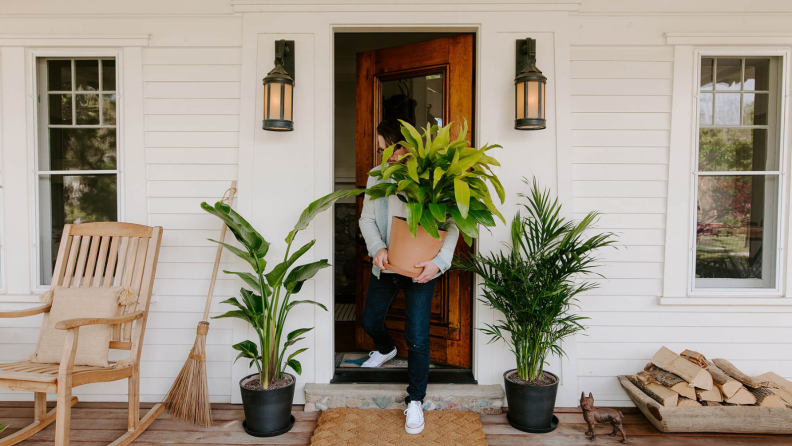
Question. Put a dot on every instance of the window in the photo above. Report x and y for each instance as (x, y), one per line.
(77, 154)
(737, 173)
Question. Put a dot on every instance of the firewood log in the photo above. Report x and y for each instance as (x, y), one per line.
(663, 395)
(671, 381)
(687, 402)
(711, 403)
(696, 358)
(742, 397)
(693, 374)
(766, 398)
(735, 373)
(778, 385)
(710, 395)
(727, 385)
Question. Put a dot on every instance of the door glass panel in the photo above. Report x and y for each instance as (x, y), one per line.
(417, 100)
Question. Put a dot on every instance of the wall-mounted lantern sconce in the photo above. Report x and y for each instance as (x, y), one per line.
(279, 89)
(529, 89)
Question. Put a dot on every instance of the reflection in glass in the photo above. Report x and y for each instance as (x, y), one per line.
(727, 108)
(60, 107)
(87, 109)
(417, 100)
(706, 73)
(729, 74)
(81, 149)
(109, 109)
(86, 75)
(722, 150)
(705, 108)
(755, 107)
(71, 199)
(757, 74)
(108, 75)
(59, 75)
(730, 235)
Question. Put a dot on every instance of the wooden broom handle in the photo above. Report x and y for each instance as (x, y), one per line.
(228, 198)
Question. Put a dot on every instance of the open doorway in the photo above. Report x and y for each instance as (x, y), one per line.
(419, 78)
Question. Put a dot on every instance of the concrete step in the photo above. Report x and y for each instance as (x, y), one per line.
(478, 398)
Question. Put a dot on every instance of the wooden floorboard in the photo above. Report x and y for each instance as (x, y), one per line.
(97, 424)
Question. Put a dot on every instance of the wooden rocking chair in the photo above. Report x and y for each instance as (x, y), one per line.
(92, 254)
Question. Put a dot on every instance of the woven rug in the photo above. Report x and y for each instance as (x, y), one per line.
(361, 427)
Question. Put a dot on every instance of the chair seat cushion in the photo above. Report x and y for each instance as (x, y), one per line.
(93, 343)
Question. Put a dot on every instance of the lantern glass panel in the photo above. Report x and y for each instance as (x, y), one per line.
(266, 100)
(287, 104)
(542, 86)
(275, 101)
(533, 100)
(520, 100)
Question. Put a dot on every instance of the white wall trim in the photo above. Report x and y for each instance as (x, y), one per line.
(729, 38)
(336, 6)
(75, 40)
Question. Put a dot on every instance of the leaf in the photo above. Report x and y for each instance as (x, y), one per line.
(430, 225)
(412, 169)
(462, 195)
(242, 230)
(300, 274)
(253, 301)
(483, 217)
(466, 225)
(295, 365)
(294, 303)
(296, 353)
(414, 137)
(297, 332)
(438, 175)
(275, 276)
(498, 187)
(318, 206)
(239, 314)
(247, 349)
(249, 279)
(386, 154)
(414, 217)
(239, 253)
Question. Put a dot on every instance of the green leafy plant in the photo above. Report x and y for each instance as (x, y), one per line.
(268, 302)
(2, 428)
(536, 283)
(439, 177)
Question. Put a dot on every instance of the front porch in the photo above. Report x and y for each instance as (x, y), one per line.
(95, 424)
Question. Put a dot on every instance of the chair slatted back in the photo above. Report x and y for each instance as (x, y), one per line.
(112, 254)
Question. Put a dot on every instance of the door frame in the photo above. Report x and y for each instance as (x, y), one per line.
(473, 29)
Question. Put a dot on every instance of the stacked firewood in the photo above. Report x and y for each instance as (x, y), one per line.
(690, 380)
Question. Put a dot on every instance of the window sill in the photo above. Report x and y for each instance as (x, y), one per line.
(726, 301)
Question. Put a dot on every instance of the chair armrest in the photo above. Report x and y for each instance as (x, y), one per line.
(68, 324)
(26, 312)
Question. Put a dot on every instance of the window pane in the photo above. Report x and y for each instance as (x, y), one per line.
(59, 75)
(727, 109)
(757, 74)
(87, 109)
(81, 149)
(722, 150)
(706, 73)
(86, 75)
(705, 108)
(71, 199)
(755, 107)
(108, 109)
(417, 100)
(735, 222)
(729, 74)
(60, 109)
(108, 75)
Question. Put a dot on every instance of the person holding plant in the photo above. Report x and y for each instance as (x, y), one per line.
(375, 221)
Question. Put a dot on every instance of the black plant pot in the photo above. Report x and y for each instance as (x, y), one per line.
(268, 412)
(531, 407)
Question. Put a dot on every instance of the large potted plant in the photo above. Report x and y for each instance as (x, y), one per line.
(534, 286)
(437, 178)
(267, 396)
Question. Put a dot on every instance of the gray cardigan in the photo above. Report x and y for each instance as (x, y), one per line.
(374, 223)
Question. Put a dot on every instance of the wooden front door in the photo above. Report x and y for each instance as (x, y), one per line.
(423, 82)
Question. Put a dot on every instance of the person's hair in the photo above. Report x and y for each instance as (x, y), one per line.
(390, 130)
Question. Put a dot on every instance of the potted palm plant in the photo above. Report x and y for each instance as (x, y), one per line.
(267, 396)
(534, 286)
(437, 178)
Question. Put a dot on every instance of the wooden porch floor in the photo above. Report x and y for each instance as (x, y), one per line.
(95, 424)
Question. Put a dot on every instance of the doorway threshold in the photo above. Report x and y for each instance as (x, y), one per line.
(345, 375)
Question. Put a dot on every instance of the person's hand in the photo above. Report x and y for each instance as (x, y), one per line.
(429, 271)
(380, 259)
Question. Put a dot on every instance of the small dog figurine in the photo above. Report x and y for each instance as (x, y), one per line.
(594, 415)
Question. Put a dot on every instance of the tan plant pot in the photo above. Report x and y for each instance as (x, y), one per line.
(405, 251)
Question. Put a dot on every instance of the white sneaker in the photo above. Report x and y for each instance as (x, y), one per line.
(376, 359)
(414, 423)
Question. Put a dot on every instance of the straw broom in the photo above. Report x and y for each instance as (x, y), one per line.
(188, 398)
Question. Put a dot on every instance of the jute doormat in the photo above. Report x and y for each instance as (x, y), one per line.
(361, 427)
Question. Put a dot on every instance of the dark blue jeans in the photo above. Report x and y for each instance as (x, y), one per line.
(418, 298)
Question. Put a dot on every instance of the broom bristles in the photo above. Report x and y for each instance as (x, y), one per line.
(188, 398)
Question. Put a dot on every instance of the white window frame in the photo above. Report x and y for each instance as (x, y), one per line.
(37, 283)
(679, 267)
